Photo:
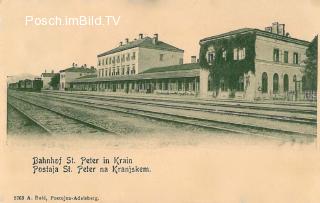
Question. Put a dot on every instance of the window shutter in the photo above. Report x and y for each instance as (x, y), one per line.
(280, 56)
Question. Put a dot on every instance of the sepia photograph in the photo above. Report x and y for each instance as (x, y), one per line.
(207, 101)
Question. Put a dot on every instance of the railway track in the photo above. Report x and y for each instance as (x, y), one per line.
(186, 120)
(54, 121)
(202, 108)
(294, 108)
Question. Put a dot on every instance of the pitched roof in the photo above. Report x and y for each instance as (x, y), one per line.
(79, 69)
(145, 42)
(48, 74)
(188, 66)
(258, 32)
(178, 71)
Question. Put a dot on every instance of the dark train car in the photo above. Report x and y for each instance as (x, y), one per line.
(37, 84)
(14, 85)
(22, 84)
(27, 85)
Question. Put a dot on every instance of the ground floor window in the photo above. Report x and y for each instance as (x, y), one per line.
(264, 82)
(223, 85)
(286, 83)
(240, 85)
(275, 83)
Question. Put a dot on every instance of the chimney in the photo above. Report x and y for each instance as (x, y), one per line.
(120, 44)
(85, 65)
(52, 71)
(45, 71)
(140, 36)
(193, 59)
(155, 39)
(127, 40)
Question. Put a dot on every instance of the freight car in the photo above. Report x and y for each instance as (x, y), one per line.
(27, 85)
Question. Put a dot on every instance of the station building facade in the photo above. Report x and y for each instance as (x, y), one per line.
(134, 57)
(181, 79)
(70, 74)
(254, 64)
(248, 64)
(46, 78)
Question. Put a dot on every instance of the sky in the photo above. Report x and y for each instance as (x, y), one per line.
(34, 49)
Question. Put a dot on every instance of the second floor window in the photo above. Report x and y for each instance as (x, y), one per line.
(133, 57)
(238, 53)
(224, 54)
(211, 56)
(295, 58)
(285, 56)
(276, 55)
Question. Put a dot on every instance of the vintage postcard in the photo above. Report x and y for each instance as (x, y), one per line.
(159, 101)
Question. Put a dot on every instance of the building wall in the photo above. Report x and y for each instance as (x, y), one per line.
(67, 77)
(150, 58)
(132, 63)
(46, 81)
(265, 46)
(265, 63)
(144, 58)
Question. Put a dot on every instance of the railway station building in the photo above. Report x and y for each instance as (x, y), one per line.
(254, 64)
(46, 78)
(181, 79)
(133, 57)
(70, 74)
(248, 63)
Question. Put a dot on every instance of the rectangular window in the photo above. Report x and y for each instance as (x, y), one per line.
(133, 71)
(106, 72)
(118, 59)
(285, 57)
(276, 55)
(224, 55)
(181, 61)
(242, 53)
(235, 54)
(295, 58)
(122, 70)
(128, 57)
(161, 57)
(211, 56)
(133, 57)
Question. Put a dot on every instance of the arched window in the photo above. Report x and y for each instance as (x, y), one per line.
(264, 82)
(286, 83)
(275, 83)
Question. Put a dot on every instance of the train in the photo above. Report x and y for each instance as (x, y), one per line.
(27, 85)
